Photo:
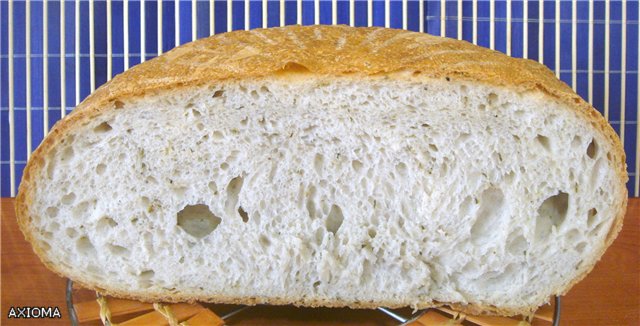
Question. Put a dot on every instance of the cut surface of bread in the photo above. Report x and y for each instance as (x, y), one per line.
(288, 180)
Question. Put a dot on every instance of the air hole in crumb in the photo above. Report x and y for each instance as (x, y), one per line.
(334, 219)
(591, 217)
(264, 241)
(544, 142)
(52, 212)
(69, 198)
(217, 135)
(318, 162)
(490, 217)
(67, 154)
(401, 168)
(243, 214)
(577, 140)
(179, 191)
(580, 247)
(100, 168)
(517, 244)
(200, 126)
(218, 93)
(552, 212)
(319, 235)
(85, 247)
(233, 192)
(198, 220)
(82, 209)
(492, 98)
(118, 104)
(54, 226)
(592, 149)
(311, 208)
(118, 250)
(105, 223)
(372, 233)
(71, 232)
(357, 165)
(572, 236)
(224, 166)
(45, 246)
(102, 128)
(213, 186)
(144, 279)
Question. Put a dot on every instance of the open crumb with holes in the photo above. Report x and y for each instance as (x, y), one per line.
(309, 187)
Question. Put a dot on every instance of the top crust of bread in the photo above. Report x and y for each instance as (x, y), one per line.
(328, 51)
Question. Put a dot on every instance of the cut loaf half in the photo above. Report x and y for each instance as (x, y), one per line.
(328, 166)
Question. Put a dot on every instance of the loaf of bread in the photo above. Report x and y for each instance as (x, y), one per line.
(328, 166)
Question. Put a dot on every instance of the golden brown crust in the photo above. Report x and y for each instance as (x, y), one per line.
(330, 51)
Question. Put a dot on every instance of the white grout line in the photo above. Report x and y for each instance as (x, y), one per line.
(607, 39)
(264, 12)
(637, 170)
(574, 45)
(541, 32)
(421, 11)
(370, 12)
(92, 47)
(509, 27)
(404, 15)
(109, 45)
(143, 49)
(475, 21)
(176, 23)
(282, 12)
(212, 25)
(316, 12)
(492, 24)
(12, 141)
(125, 32)
(247, 15)
(229, 15)
(194, 20)
(387, 16)
(334, 12)
(557, 39)
(525, 29)
(77, 51)
(45, 68)
(443, 17)
(28, 73)
(298, 12)
(63, 68)
(623, 68)
(459, 19)
(590, 55)
(352, 14)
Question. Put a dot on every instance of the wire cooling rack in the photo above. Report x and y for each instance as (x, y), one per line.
(112, 311)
